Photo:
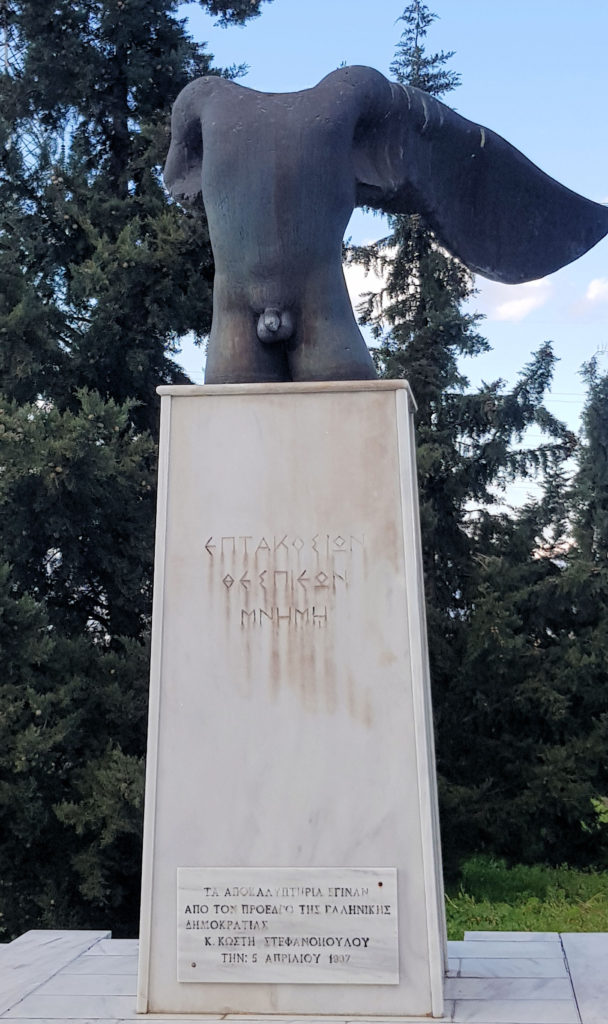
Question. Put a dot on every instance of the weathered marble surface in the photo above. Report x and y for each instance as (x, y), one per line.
(290, 714)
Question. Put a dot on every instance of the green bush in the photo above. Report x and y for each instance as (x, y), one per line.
(494, 897)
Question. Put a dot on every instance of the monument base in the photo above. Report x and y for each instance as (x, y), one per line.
(291, 850)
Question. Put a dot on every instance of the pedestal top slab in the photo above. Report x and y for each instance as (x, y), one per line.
(288, 387)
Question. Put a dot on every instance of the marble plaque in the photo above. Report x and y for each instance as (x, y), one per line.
(279, 925)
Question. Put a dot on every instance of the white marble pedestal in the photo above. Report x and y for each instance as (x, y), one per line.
(290, 724)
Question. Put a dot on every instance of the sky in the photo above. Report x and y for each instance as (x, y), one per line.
(536, 72)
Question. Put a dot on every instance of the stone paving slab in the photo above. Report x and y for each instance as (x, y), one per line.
(114, 947)
(500, 947)
(102, 965)
(97, 984)
(512, 936)
(587, 956)
(515, 1011)
(493, 978)
(508, 988)
(512, 967)
(36, 956)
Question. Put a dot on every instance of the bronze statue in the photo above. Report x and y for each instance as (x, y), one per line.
(280, 174)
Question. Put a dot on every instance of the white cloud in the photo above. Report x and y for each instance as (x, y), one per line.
(597, 290)
(523, 299)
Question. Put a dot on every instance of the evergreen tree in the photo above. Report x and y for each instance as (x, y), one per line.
(100, 277)
(590, 495)
(532, 777)
(469, 443)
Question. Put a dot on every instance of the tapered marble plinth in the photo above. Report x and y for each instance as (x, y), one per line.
(290, 789)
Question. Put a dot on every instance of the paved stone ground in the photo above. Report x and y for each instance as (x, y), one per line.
(493, 978)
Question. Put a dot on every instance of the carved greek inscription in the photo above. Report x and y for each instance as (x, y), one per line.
(298, 617)
(320, 544)
(283, 581)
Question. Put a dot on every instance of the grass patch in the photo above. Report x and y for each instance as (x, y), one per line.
(494, 897)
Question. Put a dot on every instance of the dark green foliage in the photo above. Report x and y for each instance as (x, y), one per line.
(530, 701)
(84, 486)
(532, 696)
(100, 276)
(114, 273)
(76, 521)
(591, 490)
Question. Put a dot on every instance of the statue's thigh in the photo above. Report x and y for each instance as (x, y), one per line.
(235, 355)
(330, 351)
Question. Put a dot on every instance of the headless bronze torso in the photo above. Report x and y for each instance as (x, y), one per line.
(280, 175)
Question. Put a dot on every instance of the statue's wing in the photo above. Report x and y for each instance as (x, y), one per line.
(486, 202)
(182, 173)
